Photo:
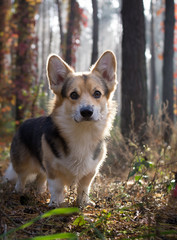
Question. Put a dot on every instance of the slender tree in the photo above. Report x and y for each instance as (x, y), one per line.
(167, 92)
(70, 32)
(95, 32)
(22, 73)
(75, 19)
(4, 7)
(133, 86)
(153, 74)
(5, 83)
(168, 57)
(58, 2)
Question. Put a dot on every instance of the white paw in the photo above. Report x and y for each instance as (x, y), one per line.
(42, 189)
(56, 200)
(84, 200)
(56, 189)
(18, 188)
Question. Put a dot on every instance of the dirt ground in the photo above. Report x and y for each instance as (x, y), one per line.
(123, 209)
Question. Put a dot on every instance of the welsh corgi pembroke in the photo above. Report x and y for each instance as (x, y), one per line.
(68, 146)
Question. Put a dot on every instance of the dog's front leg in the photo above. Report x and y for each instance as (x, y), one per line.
(56, 188)
(20, 184)
(83, 190)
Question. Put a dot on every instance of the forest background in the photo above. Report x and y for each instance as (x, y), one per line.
(80, 32)
(31, 30)
(143, 144)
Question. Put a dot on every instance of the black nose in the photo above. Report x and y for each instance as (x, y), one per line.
(86, 112)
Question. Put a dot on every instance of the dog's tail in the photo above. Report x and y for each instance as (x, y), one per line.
(10, 174)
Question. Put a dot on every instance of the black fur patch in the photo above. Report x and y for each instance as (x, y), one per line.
(31, 131)
(56, 141)
(98, 150)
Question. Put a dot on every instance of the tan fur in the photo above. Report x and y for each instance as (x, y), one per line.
(83, 123)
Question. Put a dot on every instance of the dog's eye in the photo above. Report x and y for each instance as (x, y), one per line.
(74, 95)
(97, 94)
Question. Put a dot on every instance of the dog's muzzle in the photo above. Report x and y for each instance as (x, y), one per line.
(86, 112)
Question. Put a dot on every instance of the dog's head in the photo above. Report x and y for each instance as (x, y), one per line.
(83, 96)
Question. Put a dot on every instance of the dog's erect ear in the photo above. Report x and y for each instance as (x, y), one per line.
(57, 71)
(107, 67)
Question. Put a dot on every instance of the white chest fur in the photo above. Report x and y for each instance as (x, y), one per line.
(82, 146)
(82, 140)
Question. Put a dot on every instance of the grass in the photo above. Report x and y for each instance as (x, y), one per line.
(133, 195)
(60, 211)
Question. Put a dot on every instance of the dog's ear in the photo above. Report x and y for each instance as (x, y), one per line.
(107, 67)
(57, 71)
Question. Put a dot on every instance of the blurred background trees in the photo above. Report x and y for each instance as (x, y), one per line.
(23, 57)
(139, 32)
(168, 57)
(134, 82)
(4, 10)
(95, 31)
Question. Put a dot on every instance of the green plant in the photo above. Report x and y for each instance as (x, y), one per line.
(58, 211)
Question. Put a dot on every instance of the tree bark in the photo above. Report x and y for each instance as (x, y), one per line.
(4, 7)
(69, 37)
(95, 32)
(58, 2)
(23, 60)
(167, 91)
(133, 86)
(168, 57)
(153, 73)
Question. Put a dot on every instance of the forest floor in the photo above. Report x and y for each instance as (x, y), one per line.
(129, 209)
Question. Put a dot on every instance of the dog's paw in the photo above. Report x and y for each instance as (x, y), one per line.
(56, 201)
(84, 203)
(19, 189)
(41, 189)
(53, 204)
(90, 203)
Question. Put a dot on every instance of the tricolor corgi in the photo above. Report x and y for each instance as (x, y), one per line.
(68, 146)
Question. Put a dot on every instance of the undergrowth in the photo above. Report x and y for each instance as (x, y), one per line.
(133, 194)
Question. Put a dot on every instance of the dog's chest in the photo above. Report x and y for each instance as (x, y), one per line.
(77, 153)
(81, 159)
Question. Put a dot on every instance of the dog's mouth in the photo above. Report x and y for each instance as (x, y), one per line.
(86, 114)
(86, 119)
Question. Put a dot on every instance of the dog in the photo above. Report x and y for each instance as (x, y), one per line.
(68, 146)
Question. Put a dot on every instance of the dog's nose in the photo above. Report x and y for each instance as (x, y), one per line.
(86, 112)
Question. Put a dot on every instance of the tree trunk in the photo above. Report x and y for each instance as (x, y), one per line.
(95, 32)
(168, 57)
(69, 37)
(4, 7)
(133, 86)
(58, 2)
(153, 74)
(23, 59)
(168, 65)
